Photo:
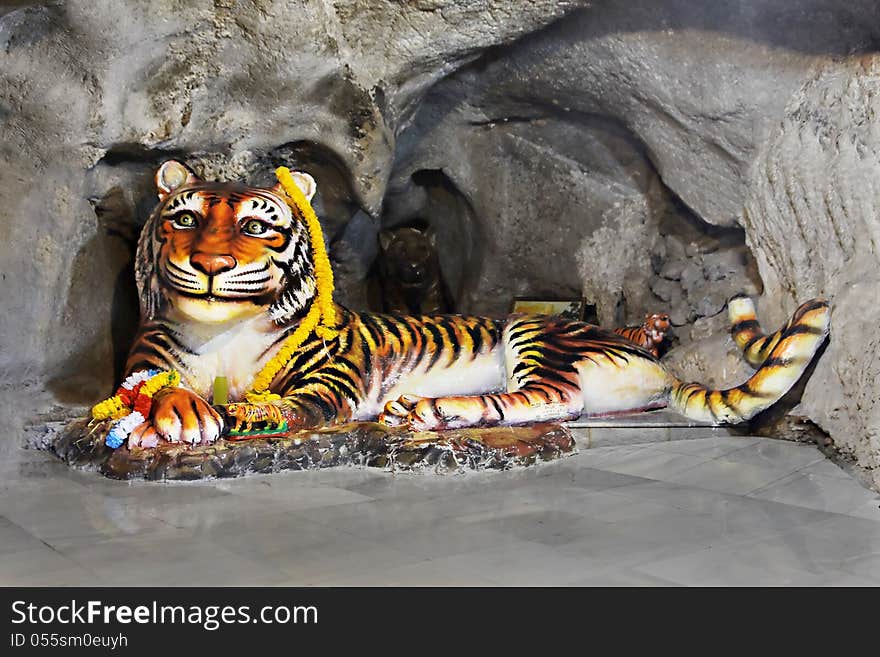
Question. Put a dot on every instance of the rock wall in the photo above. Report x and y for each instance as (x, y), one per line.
(813, 219)
(628, 123)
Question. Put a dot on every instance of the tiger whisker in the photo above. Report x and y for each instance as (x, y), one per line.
(179, 277)
(183, 283)
(227, 290)
(182, 273)
(257, 270)
(178, 281)
(258, 281)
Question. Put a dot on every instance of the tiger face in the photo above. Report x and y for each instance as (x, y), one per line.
(657, 326)
(216, 252)
(409, 256)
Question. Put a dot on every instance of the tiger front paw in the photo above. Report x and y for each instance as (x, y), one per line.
(179, 415)
(422, 414)
(396, 413)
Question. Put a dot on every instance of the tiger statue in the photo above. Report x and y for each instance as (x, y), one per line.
(225, 274)
(409, 272)
(650, 334)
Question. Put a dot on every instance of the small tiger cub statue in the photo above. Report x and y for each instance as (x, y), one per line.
(409, 272)
(650, 334)
(226, 274)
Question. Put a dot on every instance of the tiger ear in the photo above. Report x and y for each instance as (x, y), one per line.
(431, 234)
(385, 239)
(173, 175)
(304, 181)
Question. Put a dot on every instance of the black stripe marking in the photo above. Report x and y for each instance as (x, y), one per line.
(803, 330)
(146, 365)
(810, 306)
(549, 375)
(179, 418)
(775, 361)
(344, 379)
(150, 351)
(452, 340)
(195, 410)
(438, 344)
(369, 324)
(330, 386)
(746, 325)
(754, 341)
(514, 336)
(280, 338)
(174, 338)
(477, 337)
(389, 323)
(746, 388)
(327, 411)
(497, 406)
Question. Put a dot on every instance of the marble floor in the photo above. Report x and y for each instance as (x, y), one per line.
(636, 506)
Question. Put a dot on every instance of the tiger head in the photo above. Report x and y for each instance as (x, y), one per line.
(657, 326)
(409, 256)
(214, 252)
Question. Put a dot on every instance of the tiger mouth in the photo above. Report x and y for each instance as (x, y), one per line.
(258, 297)
(263, 299)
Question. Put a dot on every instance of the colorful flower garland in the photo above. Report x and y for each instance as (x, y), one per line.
(321, 317)
(131, 404)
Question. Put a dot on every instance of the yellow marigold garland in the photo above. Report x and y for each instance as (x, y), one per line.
(131, 404)
(115, 407)
(110, 409)
(167, 379)
(321, 317)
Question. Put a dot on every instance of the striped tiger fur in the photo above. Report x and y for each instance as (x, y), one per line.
(650, 334)
(780, 358)
(225, 275)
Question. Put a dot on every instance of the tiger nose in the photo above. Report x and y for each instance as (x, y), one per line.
(212, 264)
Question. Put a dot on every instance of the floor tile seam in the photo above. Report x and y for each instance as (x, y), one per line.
(746, 538)
(792, 474)
(333, 525)
(746, 497)
(702, 460)
(98, 577)
(228, 551)
(406, 559)
(762, 536)
(716, 458)
(875, 518)
(663, 481)
(739, 545)
(873, 577)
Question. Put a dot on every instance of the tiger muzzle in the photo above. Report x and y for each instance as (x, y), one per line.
(211, 264)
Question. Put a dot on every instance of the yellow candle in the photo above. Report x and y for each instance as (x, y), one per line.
(221, 391)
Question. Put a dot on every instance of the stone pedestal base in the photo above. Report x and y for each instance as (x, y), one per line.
(364, 443)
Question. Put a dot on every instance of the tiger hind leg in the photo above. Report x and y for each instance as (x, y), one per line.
(531, 403)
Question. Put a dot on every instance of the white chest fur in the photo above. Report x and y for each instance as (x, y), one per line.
(236, 351)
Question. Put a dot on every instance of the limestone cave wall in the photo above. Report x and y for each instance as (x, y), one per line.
(650, 154)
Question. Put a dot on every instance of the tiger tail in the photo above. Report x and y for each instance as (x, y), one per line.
(781, 359)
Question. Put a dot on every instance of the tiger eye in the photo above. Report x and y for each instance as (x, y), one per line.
(185, 220)
(254, 227)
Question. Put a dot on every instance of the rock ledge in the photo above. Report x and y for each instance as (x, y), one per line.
(363, 443)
